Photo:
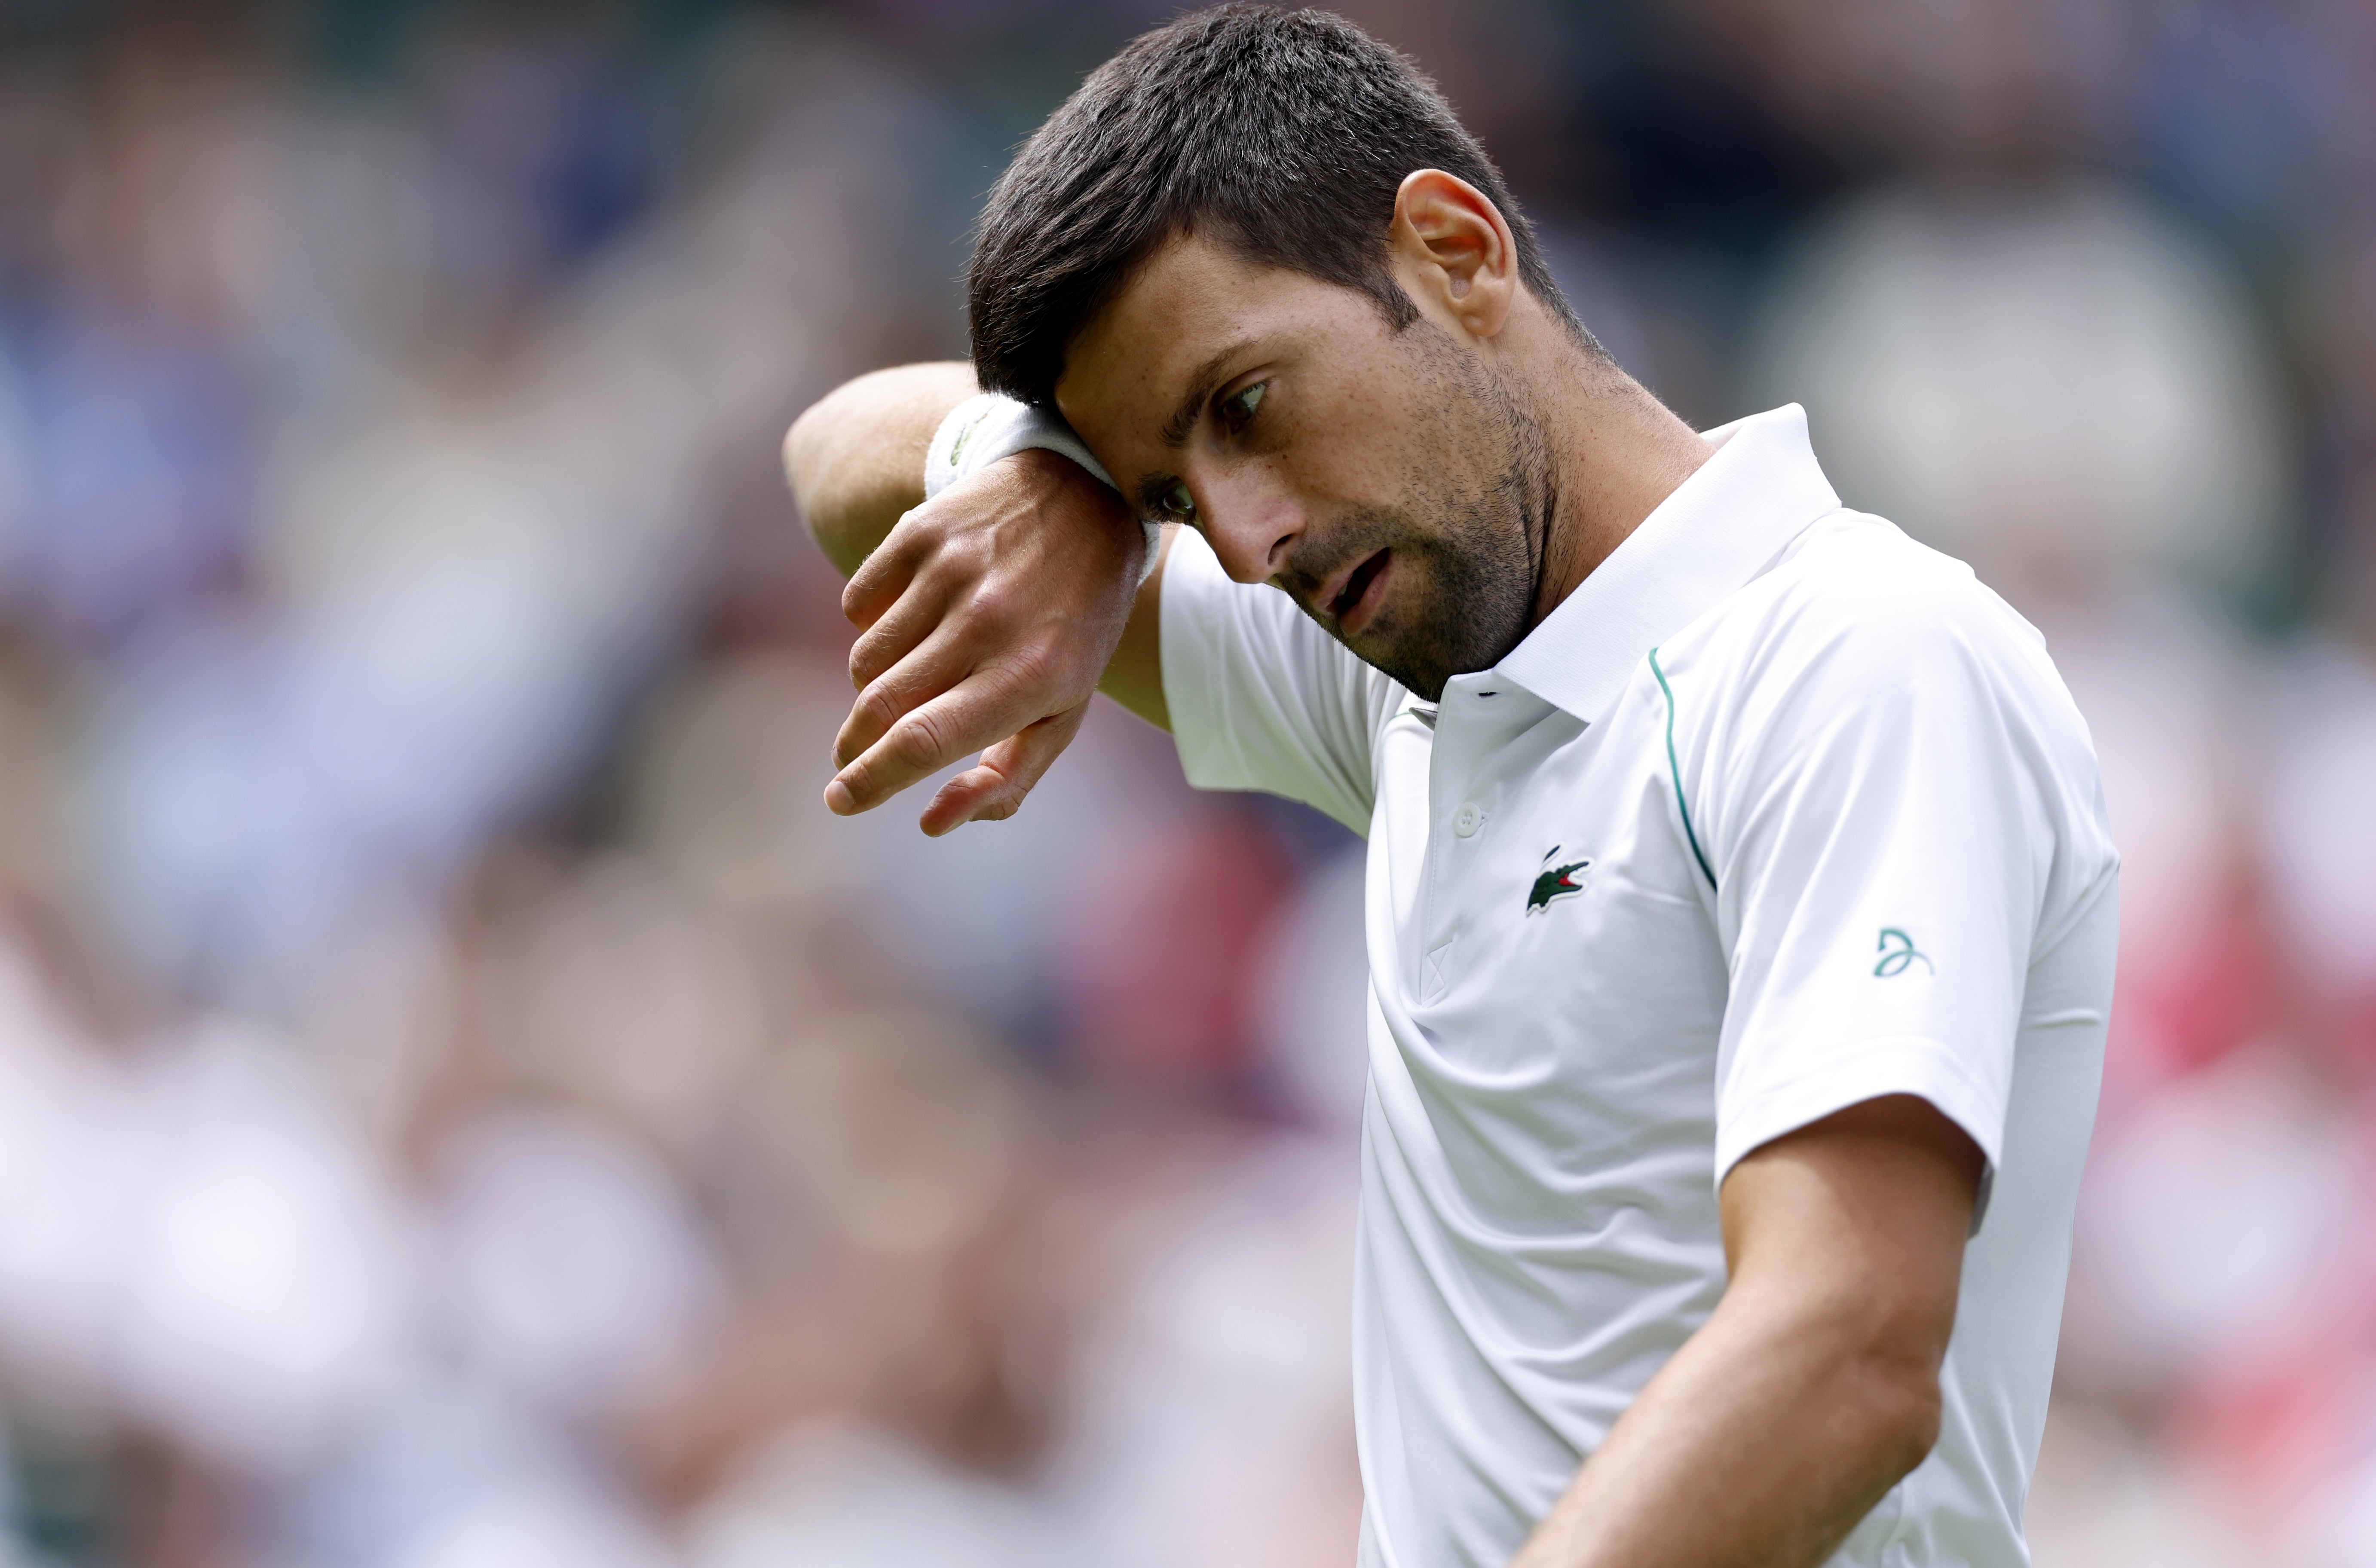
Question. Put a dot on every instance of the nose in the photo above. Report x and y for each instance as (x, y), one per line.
(1251, 522)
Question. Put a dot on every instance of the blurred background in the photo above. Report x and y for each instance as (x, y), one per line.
(463, 1102)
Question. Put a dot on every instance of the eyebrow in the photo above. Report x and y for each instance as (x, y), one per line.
(1201, 386)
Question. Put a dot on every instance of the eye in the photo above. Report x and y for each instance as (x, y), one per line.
(1238, 408)
(1175, 504)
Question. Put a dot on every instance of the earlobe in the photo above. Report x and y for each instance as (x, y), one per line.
(1452, 236)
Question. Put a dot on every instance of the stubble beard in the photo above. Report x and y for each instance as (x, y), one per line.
(1468, 538)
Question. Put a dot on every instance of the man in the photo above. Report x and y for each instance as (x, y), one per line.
(1741, 911)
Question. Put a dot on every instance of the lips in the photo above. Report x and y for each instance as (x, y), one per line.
(1356, 601)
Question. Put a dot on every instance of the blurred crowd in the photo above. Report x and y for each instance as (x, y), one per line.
(464, 1103)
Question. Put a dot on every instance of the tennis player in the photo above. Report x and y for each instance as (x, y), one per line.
(1740, 907)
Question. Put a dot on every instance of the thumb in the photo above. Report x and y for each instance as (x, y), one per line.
(992, 790)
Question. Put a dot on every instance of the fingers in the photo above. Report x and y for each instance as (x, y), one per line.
(992, 702)
(993, 790)
(898, 631)
(988, 610)
(884, 576)
(938, 666)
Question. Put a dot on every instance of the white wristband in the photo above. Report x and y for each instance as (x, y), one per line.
(988, 426)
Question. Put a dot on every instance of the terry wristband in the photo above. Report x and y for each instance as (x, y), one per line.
(988, 426)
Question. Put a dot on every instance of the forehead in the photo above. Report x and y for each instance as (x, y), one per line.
(1192, 299)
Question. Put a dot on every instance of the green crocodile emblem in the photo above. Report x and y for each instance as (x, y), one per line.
(1555, 883)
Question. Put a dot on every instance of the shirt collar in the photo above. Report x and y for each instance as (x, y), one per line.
(1756, 493)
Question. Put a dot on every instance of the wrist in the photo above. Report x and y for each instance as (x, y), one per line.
(988, 427)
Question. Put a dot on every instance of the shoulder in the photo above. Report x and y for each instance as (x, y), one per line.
(1861, 652)
(1857, 581)
(1857, 644)
(1854, 608)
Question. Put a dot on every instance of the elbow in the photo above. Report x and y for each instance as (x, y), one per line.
(1901, 1410)
(823, 495)
(1887, 1369)
(1866, 1360)
(804, 461)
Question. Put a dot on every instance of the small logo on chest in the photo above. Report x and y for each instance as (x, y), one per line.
(1554, 882)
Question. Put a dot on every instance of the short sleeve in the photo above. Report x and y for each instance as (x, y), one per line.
(1261, 698)
(1880, 840)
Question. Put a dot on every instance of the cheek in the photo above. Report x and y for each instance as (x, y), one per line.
(1355, 451)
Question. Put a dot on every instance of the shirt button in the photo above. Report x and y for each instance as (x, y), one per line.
(1467, 820)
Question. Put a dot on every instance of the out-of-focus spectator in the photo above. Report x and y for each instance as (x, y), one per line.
(2051, 382)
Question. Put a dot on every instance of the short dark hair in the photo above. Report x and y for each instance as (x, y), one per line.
(1283, 134)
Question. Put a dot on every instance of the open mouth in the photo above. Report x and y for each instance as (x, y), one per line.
(1355, 601)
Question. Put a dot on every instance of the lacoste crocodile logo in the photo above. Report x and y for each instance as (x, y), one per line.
(1556, 882)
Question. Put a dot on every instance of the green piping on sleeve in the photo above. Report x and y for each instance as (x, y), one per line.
(1675, 771)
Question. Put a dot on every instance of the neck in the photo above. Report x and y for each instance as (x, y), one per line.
(1616, 452)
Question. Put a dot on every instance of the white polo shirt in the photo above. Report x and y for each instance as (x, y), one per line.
(1779, 812)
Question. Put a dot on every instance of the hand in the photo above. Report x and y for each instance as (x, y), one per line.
(987, 615)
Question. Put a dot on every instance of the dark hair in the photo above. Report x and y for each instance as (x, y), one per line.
(1283, 134)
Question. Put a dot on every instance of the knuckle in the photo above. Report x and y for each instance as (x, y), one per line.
(1051, 665)
(935, 545)
(973, 552)
(919, 740)
(874, 654)
(1035, 664)
(1000, 687)
(994, 602)
(878, 704)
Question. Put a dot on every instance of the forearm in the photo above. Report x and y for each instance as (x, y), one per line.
(855, 460)
(1815, 1386)
(1763, 1442)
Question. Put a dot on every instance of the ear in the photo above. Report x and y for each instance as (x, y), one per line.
(1453, 242)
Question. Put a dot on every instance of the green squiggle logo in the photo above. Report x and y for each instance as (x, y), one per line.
(1898, 954)
(956, 448)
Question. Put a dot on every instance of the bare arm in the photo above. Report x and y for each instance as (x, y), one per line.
(1815, 1386)
(855, 459)
(987, 615)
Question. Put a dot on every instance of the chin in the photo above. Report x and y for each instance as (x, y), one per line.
(1422, 676)
(1420, 656)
